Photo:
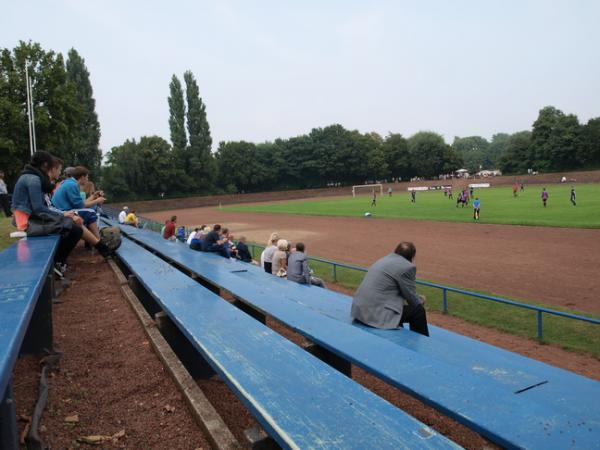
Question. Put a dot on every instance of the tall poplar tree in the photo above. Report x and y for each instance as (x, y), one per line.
(84, 136)
(200, 161)
(177, 115)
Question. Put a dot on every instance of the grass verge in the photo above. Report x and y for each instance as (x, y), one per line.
(567, 333)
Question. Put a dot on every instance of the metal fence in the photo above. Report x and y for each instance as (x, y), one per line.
(540, 311)
(445, 289)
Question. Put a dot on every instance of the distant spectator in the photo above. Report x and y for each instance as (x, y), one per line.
(298, 269)
(242, 250)
(267, 256)
(68, 198)
(213, 242)
(123, 214)
(169, 232)
(4, 196)
(192, 235)
(387, 296)
(229, 245)
(279, 262)
(132, 219)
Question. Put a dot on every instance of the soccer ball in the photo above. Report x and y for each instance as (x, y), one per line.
(367, 214)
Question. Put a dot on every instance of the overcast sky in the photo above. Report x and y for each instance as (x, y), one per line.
(269, 69)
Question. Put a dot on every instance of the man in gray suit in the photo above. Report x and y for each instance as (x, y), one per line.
(387, 296)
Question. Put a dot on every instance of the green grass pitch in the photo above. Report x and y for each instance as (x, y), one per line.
(497, 206)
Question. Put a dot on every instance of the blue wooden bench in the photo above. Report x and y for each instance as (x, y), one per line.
(26, 292)
(534, 404)
(299, 400)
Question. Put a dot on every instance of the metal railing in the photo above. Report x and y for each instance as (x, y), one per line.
(445, 289)
(156, 226)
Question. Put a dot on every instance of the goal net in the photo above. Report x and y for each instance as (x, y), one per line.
(367, 189)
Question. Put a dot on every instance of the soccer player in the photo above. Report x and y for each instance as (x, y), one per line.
(413, 196)
(573, 196)
(476, 204)
(374, 201)
(515, 190)
(544, 196)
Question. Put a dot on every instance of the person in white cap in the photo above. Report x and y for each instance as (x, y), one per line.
(123, 214)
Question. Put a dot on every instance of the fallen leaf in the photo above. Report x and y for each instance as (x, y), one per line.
(94, 439)
(119, 434)
(72, 419)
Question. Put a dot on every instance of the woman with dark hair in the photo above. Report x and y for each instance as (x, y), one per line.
(33, 216)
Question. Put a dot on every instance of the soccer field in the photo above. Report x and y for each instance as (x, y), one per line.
(497, 206)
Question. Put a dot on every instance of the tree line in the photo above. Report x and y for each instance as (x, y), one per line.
(148, 167)
(66, 123)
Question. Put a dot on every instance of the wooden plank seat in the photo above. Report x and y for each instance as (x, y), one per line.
(300, 401)
(26, 292)
(455, 374)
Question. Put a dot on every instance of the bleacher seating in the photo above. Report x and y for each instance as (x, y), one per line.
(512, 400)
(26, 291)
(299, 400)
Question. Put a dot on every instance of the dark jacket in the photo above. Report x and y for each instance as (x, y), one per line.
(28, 195)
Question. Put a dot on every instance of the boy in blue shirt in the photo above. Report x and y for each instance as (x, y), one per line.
(68, 198)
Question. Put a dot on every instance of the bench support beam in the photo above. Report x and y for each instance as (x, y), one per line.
(187, 354)
(38, 338)
(9, 438)
(252, 312)
(328, 357)
(145, 299)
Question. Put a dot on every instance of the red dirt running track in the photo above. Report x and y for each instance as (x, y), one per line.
(552, 265)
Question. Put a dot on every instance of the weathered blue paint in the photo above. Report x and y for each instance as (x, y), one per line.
(299, 400)
(456, 374)
(24, 267)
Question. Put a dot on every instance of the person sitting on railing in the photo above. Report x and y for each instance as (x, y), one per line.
(243, 253)
(387, 296)
(298, 269)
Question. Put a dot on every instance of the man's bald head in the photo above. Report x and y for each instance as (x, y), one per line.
(407, 250)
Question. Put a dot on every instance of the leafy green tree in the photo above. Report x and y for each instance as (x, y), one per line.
(238, 165)
(140, 170)
(85, 134)
(555, 140)
(395, 149)
(589, 148)
(473, 150)
(497, 147)
(518, 156)
(200, 164)
(428, 153)
(57, 111)
(177, 116)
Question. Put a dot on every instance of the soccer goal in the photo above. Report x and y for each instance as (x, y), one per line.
(368, 188)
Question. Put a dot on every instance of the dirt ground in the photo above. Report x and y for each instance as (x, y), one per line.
(552, 265)
(109, 376)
